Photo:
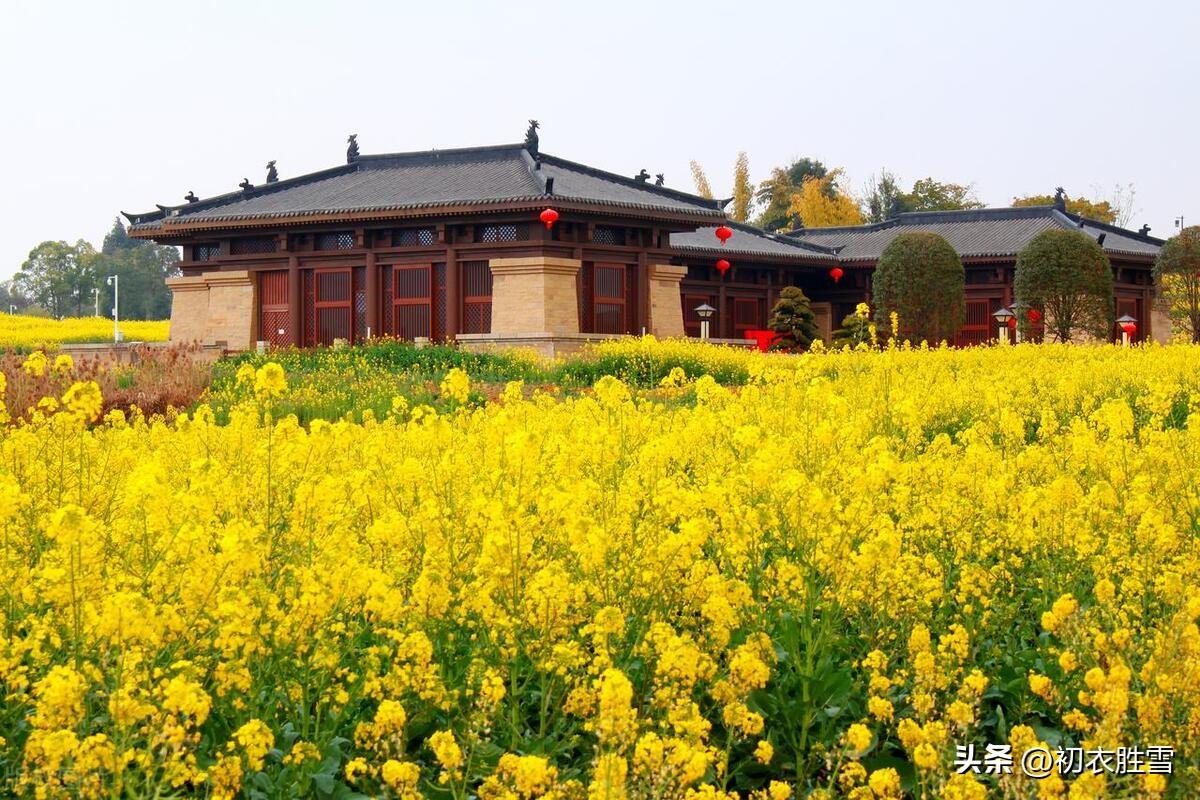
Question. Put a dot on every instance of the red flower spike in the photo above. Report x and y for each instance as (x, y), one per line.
(549, 216)
(723, 233)
(722, 267)
(836, 273)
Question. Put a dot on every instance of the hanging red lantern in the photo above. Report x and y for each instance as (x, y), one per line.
(1035, 316)
(1012, 322)
(549, 216)
(723, 233)
(722, 267)
(1129, 328)
(836, 273)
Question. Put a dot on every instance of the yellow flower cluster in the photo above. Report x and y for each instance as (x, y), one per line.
(816, 583)
(25, 333)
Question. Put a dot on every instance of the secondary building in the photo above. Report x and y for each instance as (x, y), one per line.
(511, 246)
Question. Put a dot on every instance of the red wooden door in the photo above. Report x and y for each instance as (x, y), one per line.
(977, 324)
(746, 316)
(608, 298)
(333, 305)
(274, 318)
(476, 297)
(412, 300)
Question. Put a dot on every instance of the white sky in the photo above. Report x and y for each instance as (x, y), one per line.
(118, 106)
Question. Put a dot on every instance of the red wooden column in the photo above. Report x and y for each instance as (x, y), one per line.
(372, 294)
(295, 309)
(453, 294)
(642, 323)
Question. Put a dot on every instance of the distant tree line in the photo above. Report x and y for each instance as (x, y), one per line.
(60, 279)
(806, 192)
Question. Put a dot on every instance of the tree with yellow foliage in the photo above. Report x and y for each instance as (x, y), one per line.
(820, 205)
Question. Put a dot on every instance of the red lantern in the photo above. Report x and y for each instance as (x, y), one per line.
(836, 273)
(723, 233)
(1035, 316)
(1012, 322)
(722, 267)
(549, 216)
(1129, 328)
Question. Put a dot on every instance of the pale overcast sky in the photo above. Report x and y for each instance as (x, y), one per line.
(118, 106)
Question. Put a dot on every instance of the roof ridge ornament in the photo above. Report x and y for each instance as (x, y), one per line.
(246, 185)
(1060, 199)
(352, 150)
(659, 179)
(642, 176)
(191, 197)
(531, 138)
(272, 174)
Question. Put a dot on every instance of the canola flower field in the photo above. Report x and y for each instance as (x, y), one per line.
(817, 583)
(25, 333)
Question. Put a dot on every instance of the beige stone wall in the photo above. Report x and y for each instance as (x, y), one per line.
(214, 307)
(189, 308)
(666, 305)
(535, 295)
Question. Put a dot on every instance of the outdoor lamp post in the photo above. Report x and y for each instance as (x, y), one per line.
(1002, 318)
(115, 281)
(704, 311)
(1128, 328)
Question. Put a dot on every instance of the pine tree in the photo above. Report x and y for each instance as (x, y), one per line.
(793, 318)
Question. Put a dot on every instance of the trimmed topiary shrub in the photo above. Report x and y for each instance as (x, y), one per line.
(1066, 275)
(920, 277)
(793, 319)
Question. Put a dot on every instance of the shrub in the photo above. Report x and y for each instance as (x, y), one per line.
(793, 318)
(1066, 274)
(920, 277)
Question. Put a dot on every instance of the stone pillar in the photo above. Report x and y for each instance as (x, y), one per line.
(189, 308)
(666, 301)
(231, 309)
(535, 294)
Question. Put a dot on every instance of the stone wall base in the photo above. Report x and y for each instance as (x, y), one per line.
(551, 346)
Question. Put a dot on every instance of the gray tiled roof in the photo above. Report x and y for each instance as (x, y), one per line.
(978, 232)
(748, 240)
(429, 179)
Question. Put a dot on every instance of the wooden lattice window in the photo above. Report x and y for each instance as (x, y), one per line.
(413, 237)
(476, 297)
(338, 240)
(606, 234)
(501, 232)
(275, 319)
(412, 300)
(252, 245)
(206, 252)
(978, 323)
(360, 304)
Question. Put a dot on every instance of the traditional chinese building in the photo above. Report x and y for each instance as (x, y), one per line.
(988, 241)
(511, 246)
